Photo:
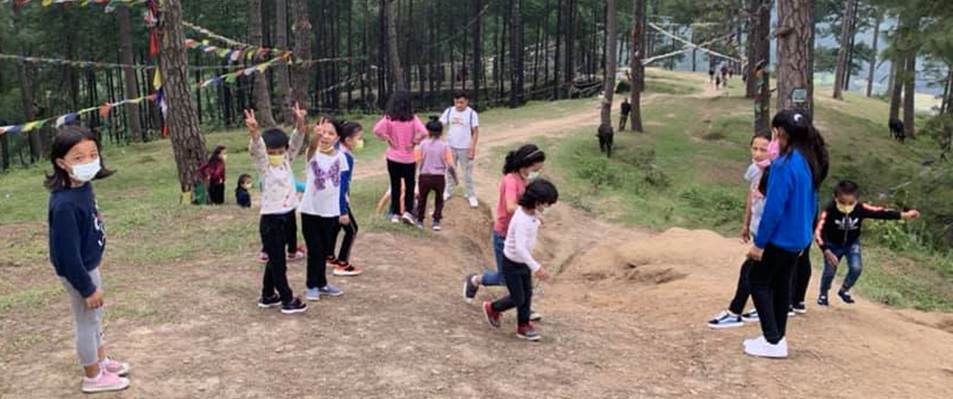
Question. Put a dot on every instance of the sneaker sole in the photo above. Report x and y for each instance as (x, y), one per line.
(408, 221)
(532, 339)
(750, 320)
(724, 326)
(313, 298)
(537, 318)
(107, 389)
(764, 355)
(332, 295)
(269, 306)
(347, 274)
(294, 311)
(800, 311)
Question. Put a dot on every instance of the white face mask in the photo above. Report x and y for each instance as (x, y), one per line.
(85, 172)
(534, 175)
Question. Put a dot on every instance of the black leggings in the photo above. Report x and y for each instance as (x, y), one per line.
(398, 172)
(771, 290)
(319, 233)
(273, 237)
(291, 234)
(743, 291)
(519, 282)
(802, 277)
(216, 193)
(350, 232)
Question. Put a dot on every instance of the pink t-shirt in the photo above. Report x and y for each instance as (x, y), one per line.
(511, 188)
(401, 136)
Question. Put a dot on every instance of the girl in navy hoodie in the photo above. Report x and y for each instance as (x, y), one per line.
(77, 242)
(786, 226)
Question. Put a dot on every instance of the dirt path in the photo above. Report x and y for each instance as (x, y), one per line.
(624, 318)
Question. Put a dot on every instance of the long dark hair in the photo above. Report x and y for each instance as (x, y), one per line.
(348, 129)
(804, 137)
(399, 107)
(526, 155)
(215, 159)
(539, 191)
(435, 127)
(65, 139)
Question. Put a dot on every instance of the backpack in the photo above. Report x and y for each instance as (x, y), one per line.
(448, 111)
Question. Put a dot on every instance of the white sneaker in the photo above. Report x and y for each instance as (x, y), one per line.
(105, 382)
(762, 348)
(473, 202)
(446, 196)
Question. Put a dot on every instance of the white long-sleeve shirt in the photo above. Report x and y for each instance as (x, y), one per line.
(521, 238)
(279, 195)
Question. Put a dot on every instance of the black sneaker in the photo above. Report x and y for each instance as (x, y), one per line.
(845, 296)
(822, 301)
(799, 308)
(270, 302)
(469, 289)
(295, 306)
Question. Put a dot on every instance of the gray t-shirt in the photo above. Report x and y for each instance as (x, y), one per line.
(753, 177)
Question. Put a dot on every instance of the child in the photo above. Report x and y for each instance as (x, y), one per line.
(402, 130)
(786, 226)
(321, 206)
(754, 207)
(518, 262)
(434, 159)
(521, 166)
(77, 242)
(242, 197)
(214, 174)
(273, 155)
(463, 132)
(626, 109)
(838, 235)
(352, 139)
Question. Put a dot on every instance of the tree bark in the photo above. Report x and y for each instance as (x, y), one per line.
(795, 54)
(909, 94)
(873, 61)
(394, 54)
(282, 78)
(846, 32)
(759, 41)
(849, 70)
(610, 62)
(188, 145)
(896, 86)
(130, 85)
(516, 54)
(302, 50)
(27, 76)
(477, 34)
(635, 63)
(560, 35)
(260, 87)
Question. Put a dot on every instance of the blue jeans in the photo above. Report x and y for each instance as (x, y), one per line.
(495, 277)
(854, 264)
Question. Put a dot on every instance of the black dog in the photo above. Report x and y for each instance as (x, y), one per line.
(605, 134)
(896, 129)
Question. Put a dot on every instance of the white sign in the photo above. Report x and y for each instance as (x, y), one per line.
(799, 96)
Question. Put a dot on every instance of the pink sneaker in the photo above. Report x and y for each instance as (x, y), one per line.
(121, 369)
(262, 257)
(106, 382)
(296, 256)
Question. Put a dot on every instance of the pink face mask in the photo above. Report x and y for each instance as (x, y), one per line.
(763, 164)
(774, 150)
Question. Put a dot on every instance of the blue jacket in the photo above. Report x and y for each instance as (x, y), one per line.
(77, 236)
(790, 206)
(346, 182)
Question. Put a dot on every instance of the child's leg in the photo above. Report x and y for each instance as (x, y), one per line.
(467, 172)
(855, 266)
(350, 233)
(451, 183)
(495, 277)
(291, 232)
(330, 231)
(273, 230)
(760, 278)
(438, 188)
(410, 184)
(310, 227)
(87, 325)
(830, 271)
(743, 291)
(516, 298)
(393, 169)
(385, 199)
(523, 310)
(426, 184)
(802, 277)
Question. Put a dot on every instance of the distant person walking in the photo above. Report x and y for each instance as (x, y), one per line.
(625, 111)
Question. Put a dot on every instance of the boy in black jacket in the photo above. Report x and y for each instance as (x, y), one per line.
(838, 235)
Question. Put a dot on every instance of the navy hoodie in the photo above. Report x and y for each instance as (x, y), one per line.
(790, 205)
(77, 236)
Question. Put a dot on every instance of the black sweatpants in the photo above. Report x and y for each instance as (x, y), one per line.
(743, 291)
(802, 277)
(291, 235)
(771, 290)
(216, 193)
(350, 233)
(435, 184)
(273, 230)
(519, 282)
(319, 234)
(407, 173)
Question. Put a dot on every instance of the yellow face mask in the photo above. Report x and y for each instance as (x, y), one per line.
(224, 157)
(359, 145)
(846, 209)
(276, 160)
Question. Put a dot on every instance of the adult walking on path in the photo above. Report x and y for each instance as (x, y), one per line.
(463, 134)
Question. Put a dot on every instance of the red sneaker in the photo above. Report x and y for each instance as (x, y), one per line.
(528, 332)
(346, 269)
(492, 316)
(294, 257)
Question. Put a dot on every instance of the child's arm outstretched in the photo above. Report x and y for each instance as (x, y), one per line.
(868, 211)
(256, 146)
(299, 133)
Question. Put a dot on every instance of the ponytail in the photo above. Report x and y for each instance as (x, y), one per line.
(435, 127)
(804, 137)
(526, 155)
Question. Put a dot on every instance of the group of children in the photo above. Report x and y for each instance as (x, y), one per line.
(780, 217)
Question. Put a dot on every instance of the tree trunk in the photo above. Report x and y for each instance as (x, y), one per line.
(873, 61)
(477, 34)
(610, 63)
(302, 50)
(188, 145)
(394, 54)
(260, 88)
(27, 76)
(130, 84)
(847, 24)
(909, 94)
(849, 70)
(516, 54)
(283, 81)
(570, 68)
(896, 86)
(635, 63)
(560, 34)
(759, 41)
(796, 54)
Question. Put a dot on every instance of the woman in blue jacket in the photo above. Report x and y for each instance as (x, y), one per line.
(786, 226)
